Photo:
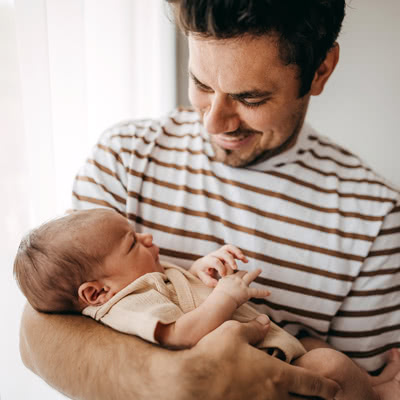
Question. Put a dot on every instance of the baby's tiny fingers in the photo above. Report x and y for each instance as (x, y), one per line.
(218, 265)
(259, 293)
(240, 273)
(236, 252)
(228, 259)
(207, 279)
(251, 275)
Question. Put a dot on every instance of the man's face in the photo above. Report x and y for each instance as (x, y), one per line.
(247, 97)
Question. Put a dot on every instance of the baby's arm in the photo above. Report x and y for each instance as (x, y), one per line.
(230, 292)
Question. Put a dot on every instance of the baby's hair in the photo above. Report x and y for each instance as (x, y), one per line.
(52, 262)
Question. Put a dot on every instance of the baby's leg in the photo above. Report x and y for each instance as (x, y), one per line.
(332, 364)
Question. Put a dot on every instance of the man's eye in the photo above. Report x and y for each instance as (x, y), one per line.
(202, 87)
(254, 103)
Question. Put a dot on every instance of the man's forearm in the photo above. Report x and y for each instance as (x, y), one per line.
(86, 360)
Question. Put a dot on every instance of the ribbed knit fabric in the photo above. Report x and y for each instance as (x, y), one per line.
(164, 297)
(322, 226)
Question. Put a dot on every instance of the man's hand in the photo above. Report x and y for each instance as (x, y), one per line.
(220, 262)
(387, 384)
(225, 365)
(236, 287)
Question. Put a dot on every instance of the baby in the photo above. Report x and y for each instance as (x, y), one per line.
(92, 262)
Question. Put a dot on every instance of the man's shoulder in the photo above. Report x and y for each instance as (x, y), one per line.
(173, 121)
(143, 137)
(332, 162)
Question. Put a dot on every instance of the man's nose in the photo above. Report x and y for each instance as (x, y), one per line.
(221, 116)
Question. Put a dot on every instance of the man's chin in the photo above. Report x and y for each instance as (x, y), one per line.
(233, 158)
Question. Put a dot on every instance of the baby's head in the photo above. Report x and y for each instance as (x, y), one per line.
(82, 259)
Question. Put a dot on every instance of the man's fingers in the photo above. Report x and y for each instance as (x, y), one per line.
(392, 367)
(394, 355)
(254, 331)
(307, 383)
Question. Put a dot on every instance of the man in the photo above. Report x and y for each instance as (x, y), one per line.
(241, 169)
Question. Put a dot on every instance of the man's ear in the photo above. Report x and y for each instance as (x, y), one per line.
(325, 70)
(94, 293)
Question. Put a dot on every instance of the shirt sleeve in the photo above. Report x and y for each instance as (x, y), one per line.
(139, 313)
(101, 181)
(113, 174)
(369, 318)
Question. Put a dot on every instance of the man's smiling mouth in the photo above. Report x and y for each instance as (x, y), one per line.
(233, 140)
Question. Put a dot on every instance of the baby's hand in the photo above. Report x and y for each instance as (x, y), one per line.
(237, 287)
(220, 262)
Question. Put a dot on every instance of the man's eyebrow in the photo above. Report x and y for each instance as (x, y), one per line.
(251, 94)
(248, 94)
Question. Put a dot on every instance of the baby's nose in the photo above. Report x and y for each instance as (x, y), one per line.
(146, 239)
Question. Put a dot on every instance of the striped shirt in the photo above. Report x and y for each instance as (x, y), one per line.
(322, 226)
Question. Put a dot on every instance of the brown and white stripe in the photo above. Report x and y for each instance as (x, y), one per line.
(324, 228)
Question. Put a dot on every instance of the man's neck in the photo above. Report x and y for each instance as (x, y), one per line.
(285, 146)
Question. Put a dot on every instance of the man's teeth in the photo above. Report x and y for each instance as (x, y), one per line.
(235, 137)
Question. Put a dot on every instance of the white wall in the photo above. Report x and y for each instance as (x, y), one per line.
(68, 69)
(16, 382)
(360, 104)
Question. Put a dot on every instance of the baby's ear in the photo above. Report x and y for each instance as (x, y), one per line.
(94, 293)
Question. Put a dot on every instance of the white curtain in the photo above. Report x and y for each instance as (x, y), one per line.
(68, 70)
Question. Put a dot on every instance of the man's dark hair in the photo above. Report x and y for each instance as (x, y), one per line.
(306, 29)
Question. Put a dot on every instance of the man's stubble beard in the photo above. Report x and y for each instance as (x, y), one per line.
(257, 154)
(260, 152)
(234, 158)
